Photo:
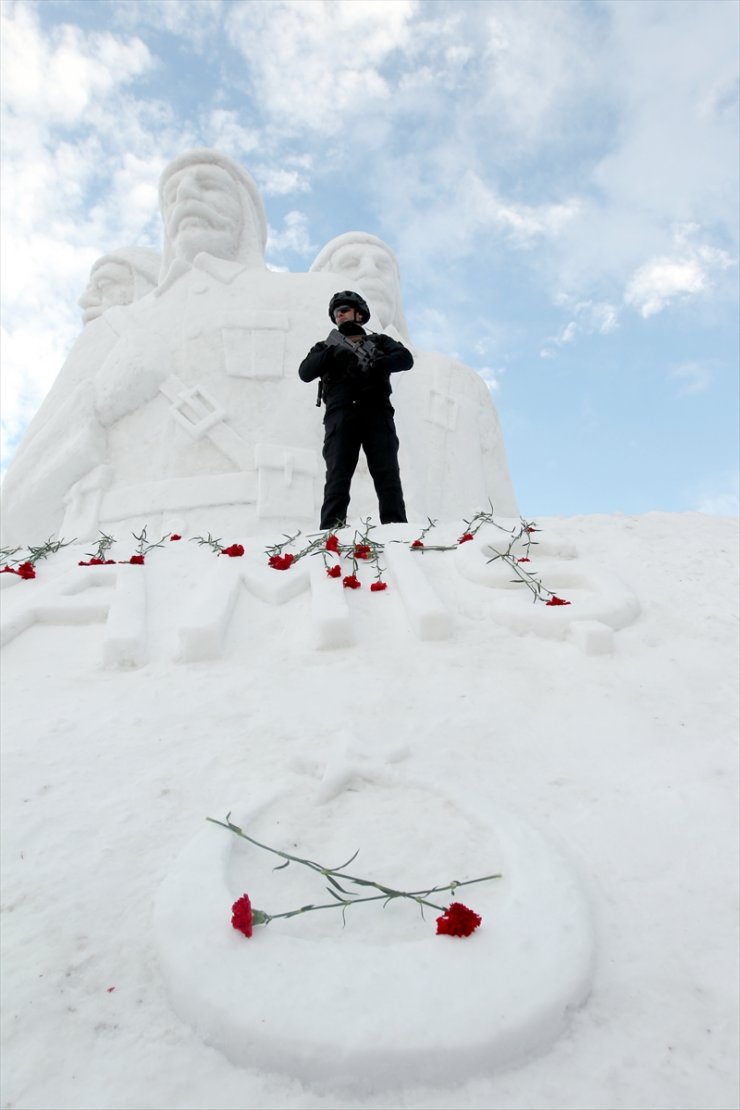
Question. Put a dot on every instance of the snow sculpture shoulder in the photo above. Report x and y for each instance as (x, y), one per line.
(452, 452)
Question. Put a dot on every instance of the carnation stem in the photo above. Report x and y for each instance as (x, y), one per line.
(421, 897)
(343, 903)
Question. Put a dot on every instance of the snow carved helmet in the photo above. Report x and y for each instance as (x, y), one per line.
(353, 300)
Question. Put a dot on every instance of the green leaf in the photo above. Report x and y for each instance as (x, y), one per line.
(342, 866)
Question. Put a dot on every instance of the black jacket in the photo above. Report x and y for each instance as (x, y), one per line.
(347, 378)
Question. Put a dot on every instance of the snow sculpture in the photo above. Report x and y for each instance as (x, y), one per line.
(181, 409)
(452, 450)
(65, 439)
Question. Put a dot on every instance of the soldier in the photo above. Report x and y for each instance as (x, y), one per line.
(354, 368)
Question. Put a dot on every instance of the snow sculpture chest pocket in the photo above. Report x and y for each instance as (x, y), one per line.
(254, 344)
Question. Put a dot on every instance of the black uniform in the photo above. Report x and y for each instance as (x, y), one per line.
(356, 388)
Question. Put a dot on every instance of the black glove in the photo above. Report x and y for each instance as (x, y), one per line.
(342, 362)
(342, 356)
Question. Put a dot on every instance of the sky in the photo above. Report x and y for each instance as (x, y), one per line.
(558, 181)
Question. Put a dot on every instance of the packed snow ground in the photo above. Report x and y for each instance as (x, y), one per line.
(626, 761)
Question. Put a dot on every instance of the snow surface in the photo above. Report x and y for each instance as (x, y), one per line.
(610, 732)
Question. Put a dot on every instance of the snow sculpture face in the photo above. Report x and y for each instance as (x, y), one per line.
(373, 269)
(210, 204)
(119, 278)
(368, 264)
(202, 212)
(110, 283)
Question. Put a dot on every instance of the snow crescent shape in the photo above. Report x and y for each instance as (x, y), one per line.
(383, 1001)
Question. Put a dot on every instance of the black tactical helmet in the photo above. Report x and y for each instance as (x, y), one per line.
(352, 300)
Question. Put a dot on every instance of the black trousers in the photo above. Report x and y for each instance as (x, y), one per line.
(346, 430)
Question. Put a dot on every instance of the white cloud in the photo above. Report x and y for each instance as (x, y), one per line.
(676, 144)
(663, 150)
(57, 79)
(228, 134)
(524, 224)
(316, 64)
(590, 317)
(691, 378)
(280, 182)
(540, 64)
(294, 236)
(197, 21)
(492, 376)
(661, 280)
(689, 271)
(605, 316)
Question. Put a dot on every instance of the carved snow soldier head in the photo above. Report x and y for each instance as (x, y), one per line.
(119, 278)
(209, 203)
(369, 264)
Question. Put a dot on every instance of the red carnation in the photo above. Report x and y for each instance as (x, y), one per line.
(556, 601)
(362, 550)
(95, 562)
(351, 582)
(458, 921)
(332, 544)
(532, 528)
(241, 915)
(378, 586)
(137, 560)
(280, 562)
(465, 537)
(175, 536)
(233, 551)
(25, 570)
(524, 559)
(417, 543)
(334, 572)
